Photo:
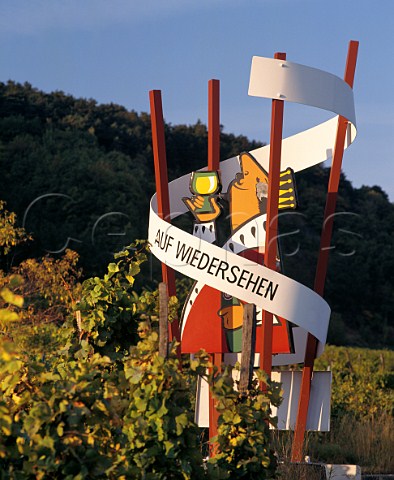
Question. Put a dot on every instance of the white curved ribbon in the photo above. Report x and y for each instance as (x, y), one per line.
(238, 277)
(227, 272)
(292, 82)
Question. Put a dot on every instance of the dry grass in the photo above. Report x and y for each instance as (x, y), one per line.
(291, 471)
(368, 442)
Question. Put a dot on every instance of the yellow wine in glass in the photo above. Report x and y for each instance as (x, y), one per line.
(205, 184)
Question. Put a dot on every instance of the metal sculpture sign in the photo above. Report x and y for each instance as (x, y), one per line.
(220, 267)
(237, 272)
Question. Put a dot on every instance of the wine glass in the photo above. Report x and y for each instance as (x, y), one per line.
(206, 184)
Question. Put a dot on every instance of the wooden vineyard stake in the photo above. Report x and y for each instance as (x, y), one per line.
(248, 347)
(163, 320)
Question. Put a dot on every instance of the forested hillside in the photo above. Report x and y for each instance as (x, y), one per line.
(80, 175)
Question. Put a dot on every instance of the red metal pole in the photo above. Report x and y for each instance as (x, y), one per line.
(213, 124)
(163, 198)
(272, 219)
(213, 164)
(322, 262)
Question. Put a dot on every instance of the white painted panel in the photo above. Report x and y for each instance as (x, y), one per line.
(319, 405)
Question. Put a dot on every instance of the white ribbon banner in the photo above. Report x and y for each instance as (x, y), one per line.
(226, 271)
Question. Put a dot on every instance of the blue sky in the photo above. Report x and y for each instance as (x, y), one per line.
(118, 50)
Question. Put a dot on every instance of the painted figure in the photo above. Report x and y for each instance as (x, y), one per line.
(211, 319)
